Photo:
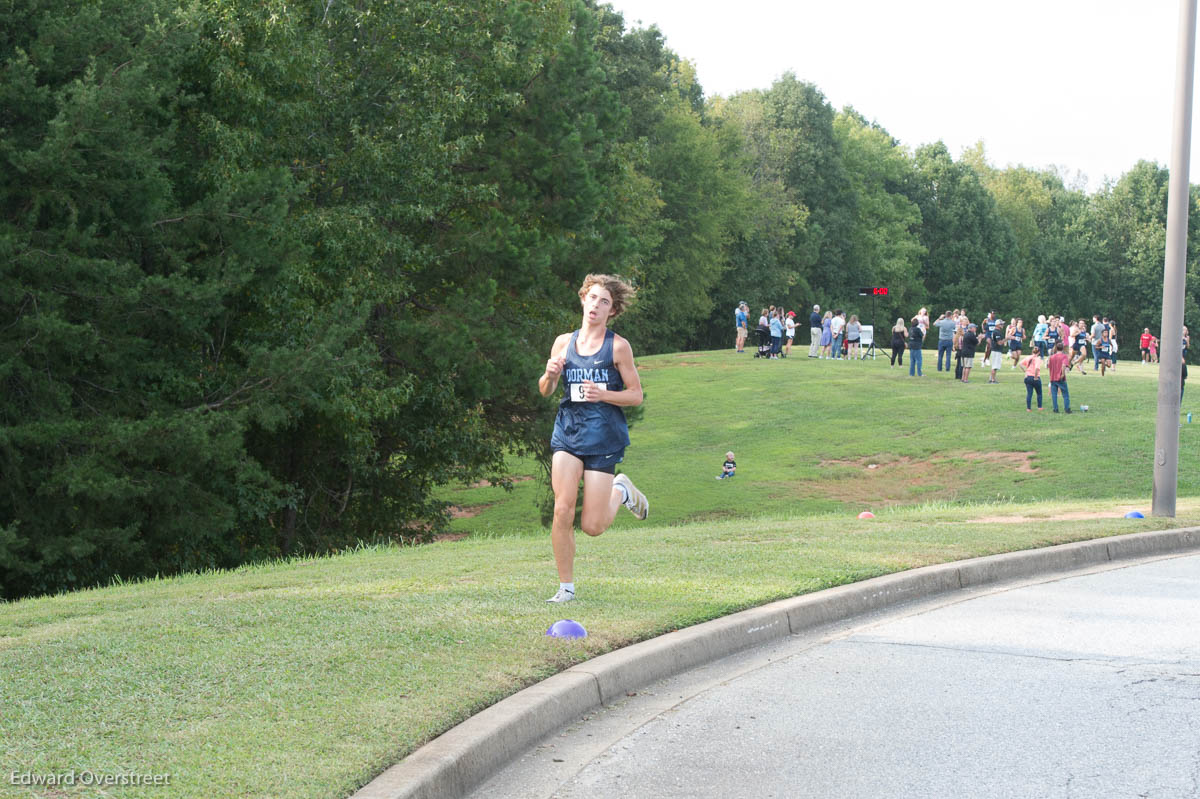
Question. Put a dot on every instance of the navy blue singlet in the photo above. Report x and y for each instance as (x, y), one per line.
(589, 428)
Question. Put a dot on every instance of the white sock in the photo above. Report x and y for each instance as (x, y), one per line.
(624, 492)
(567, 587)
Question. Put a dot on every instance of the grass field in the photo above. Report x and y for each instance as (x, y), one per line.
(306, 678)
(806, 434)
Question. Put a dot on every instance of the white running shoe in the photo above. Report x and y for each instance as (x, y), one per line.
(563, 595)
(637, 503)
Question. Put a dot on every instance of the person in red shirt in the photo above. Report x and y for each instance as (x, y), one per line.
(1147, 337)
(1058, 377)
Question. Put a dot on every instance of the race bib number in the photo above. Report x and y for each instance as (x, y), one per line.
(577, 393)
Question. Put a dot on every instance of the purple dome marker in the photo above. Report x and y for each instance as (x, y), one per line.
(566, 628)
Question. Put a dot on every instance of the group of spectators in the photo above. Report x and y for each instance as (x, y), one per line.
(835, 336)
(959, 340)
(776, 330)
(1057, 344)
(832, 336)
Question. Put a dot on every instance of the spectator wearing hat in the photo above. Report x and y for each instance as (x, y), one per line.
(789, 331)
(916, 338)
(814, 332)
(970, 341)
(995, 357)
(741, 321)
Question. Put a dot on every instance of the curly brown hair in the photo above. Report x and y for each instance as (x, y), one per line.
(622, 293)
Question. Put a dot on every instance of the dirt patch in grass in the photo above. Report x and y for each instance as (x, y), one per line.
(870, 463)
(468, 511)
(1021, 461)
(899, 482)
(886, 479)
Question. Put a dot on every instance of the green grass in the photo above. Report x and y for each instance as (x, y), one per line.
(805, 431)
(307, 678)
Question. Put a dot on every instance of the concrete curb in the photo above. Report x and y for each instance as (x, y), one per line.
(453, 764)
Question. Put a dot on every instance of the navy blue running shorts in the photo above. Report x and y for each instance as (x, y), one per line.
(598, 463)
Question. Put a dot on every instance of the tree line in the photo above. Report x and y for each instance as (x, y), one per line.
(271, 273)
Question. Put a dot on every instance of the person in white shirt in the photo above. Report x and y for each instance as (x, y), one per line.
(789, 332)
(837, 327)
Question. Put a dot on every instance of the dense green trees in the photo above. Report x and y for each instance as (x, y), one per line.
(270, 274)
(971, 256)
(884, 241)
(236, 323)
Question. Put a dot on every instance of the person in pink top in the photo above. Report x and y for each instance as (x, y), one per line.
(1057, 367)
(1032, 364)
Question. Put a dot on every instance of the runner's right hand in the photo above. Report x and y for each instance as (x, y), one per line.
(555, 365)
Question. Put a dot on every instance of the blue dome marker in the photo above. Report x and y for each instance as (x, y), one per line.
(566, 628)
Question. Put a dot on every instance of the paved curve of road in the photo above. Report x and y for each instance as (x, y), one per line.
(1082, 685)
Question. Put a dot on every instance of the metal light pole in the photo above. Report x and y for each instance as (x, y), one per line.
(1166, 437)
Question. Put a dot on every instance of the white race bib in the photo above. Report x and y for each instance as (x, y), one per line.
(577, 393)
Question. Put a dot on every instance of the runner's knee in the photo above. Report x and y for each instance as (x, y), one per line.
(592, 525)
(564, 510)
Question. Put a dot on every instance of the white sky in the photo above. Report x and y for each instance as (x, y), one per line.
(1085, 86)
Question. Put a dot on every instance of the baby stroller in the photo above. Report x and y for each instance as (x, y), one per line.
(764, 342)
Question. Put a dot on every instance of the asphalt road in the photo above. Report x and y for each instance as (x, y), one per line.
(1083, 685)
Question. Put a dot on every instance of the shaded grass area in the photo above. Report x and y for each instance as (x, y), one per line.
(307, 678)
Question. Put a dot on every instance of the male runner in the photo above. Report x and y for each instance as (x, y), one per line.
(590, 433)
